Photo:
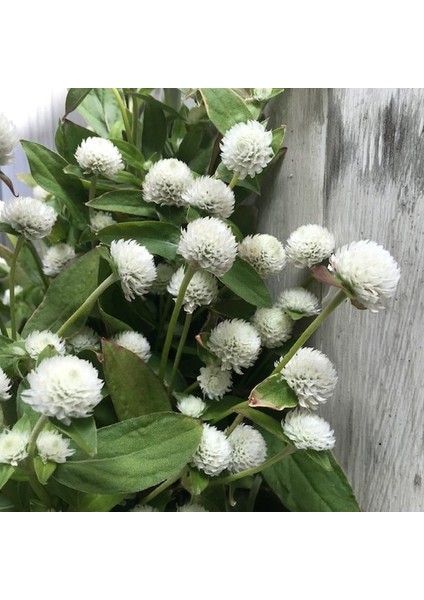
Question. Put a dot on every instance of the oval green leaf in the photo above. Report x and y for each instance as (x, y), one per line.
(225, 108)
(129, 202)
(274, 393)
(158, 237)
(243, 280)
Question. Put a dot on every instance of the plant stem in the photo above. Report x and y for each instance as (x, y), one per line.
(88, 303)
(338, 299)
(35, 433)
(12, 276)
(39, 264)
(32, 475)
(163, 313)
(239, 418)
(163, 486)
(191, 387)
(3, 327)
(180, 349)
(124, 114)
(233, 181)
(92, 191)
(174, 318)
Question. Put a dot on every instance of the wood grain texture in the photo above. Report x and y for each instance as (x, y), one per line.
(355, 162)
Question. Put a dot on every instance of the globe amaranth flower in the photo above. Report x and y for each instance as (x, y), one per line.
(30, 217)
(209, 244)
(201, 291)
(308, 431)
(214, 452)
(135, 266)
(164, 272)
(37, 341)
(166, 181)
(53, 447)
(312, 377)
(368, 270)
(192, 406)
(100, 219)
(248, 448)
(193, 507)
(214, 382)
(85, 338)
(298, 300)
(143, 508)
(211, 195)
(8, 140)
(246, 148)
(13, 446)
(236, 343)
(63, 387)
(4, 267)
(6, 296)
(134, 342)
(273, 325)
(56, 258)
(309, 245)
(264, 253)
(98, 156)
(261, 94)
(5, 385)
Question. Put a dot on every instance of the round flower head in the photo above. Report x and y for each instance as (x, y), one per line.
(99, 156)
(192, 406)
(166, 181)
(135, 265)
(273, 325)
(56, 258)
(309, 245)
(37, 341)
(214, 452)
(261, 94)
(298, 300)
(264, 253)
(63, 387)
(85, 338)
(201, 291)
(6, 296)
(52, 447)
(236, 343)
(312, 377)
(194, 507)
(100, 219)
(214, 382)
(369, 271)
(134, 342)
(164, 272)
(246, 148)
(8, 140)
(211, 195)
(209, 244)
(30, 217)
(308, 431)
(39, 193)
(5, 385)
(248, 448)
(143, 508)
(13, 447)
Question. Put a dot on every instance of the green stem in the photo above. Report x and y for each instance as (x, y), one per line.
(163, 486)
(124, 114)
(233, 181)
(93, 185)
(32, 475)
(338, 299)
(88, 303)
(3, 327)
(39, 264)
(191, 387)
(35, 433)
(164, 308)
(180, 349)
(239, 418)
(12, 276)
(174, 318)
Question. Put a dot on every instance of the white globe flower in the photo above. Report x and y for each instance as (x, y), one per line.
(208, 244)
(211, 195)
(248, 448)
(166, 181)
(13, 447)
(39, 193)
(214, 452)
(194, 507)
(99, 156)
(52, 447)
(56, 258)
(6, 296)
(273, 325)
(164, 272)
(236, 343)
(309, 245)
(30, 217)
(261, 94)
(100, 219)
(4, 267)
(308, 431)
(85, 338)
(63, 387)
(134, 342)
(312, 377)
(143, 508)
(192, 406)
(201, 291)
(214, 382)
(135, 266)
(369, 271)
(264, 253)
(299, 300)
(8, 140)
(37, 341)
(246, 148)
(5, 385)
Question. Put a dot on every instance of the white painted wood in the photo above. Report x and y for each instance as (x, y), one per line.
(355, 162)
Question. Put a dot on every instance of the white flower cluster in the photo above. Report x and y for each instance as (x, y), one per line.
(201, 291)
(100, 219)
(56, 258)
(8, 139)
(5, 385)
(166, 182)
(309, 245)
(30, 217)
(273, 325)
(13, 446)
(84, 339)
(193, 507)
(37, 341)
(248, 448)
(308, 431)
(214, 382)
(211, 195)
(143, 508)
(236, 343)
(300, 301)
(99, 156)
(135, 266)
(134, 342)
(192, 406)
(53, 447)
(264, 253)
(246, 148)
(18, 289)
(214, 452)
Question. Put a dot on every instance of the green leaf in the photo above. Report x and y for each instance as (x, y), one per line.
(100, 110)
(196, 482)
(234, 308)
(98, 502)
(82, 431)
(225, 108)
(134, 388)
(264, 421)
(154, 129)
(302, 485)
(131, 155)
(218, 410)
(74, 98)
(134, 455)
(274, 393)
(250, 183)
(190, 145)
(243, 280)
(277, 138)
(159, 238)
(6, 505)
(44, 471)
(6, 472)
(129, 202)
(69, 136)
